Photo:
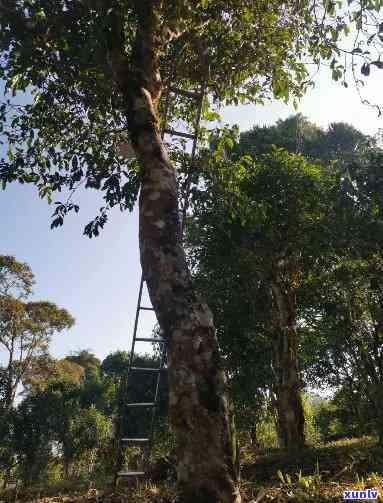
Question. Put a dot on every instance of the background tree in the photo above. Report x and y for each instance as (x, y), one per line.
(340, 142)
(26, 328)
(96, 391)
(268, 230)
(348, 346)
(71, 419)
(55, 416)
(272, 220)
(45, 368)
(31, 439)
(16, 278)
(25, 331)
(350, 355)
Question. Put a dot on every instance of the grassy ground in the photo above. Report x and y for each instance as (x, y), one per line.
(318, 474)
(314, 474)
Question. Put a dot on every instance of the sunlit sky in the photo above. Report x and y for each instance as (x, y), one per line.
(97, 280)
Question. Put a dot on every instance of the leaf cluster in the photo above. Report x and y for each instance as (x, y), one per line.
(64, 121)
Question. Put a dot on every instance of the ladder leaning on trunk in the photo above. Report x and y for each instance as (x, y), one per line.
(150, 408)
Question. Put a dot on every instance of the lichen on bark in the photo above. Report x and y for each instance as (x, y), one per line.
(287, 380)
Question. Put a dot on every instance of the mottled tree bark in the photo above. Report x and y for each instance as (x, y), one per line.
(377, 406)
(198, 400)
(380, 426)
(285, 364)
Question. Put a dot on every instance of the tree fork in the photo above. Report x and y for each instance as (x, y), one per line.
(198, 396)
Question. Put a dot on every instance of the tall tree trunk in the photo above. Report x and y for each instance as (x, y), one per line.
(376, 400)
(198, 399)
(253, 435)
(10, 388)
(379, 419)
(285, 363)
(379, 424)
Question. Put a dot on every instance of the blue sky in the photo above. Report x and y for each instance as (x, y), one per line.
(97, 280)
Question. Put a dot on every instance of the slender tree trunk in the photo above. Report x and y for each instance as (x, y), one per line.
(198, 399)
(285, 363)
(379, 428)
(253, 435)
(376, 400)
(379, 421)
(10, 387)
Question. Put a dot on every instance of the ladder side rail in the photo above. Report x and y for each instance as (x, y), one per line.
(158, 380)
(166, 111)
(131, 356)
(167, 101)
(193, 156)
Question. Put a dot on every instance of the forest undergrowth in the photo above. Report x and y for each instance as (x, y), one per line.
(315, 474)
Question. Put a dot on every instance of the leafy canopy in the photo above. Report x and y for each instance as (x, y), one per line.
(16, 278)
(69, 132)
(258, 205)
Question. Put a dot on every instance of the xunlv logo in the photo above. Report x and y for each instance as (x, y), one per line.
(366, 494)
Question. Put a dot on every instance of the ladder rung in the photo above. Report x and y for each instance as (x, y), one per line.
(183, 92)
(145, 369)
(135, 440)
(180, 133)
(141, 404)
(130, 474)
(141, 339)
(146, 308)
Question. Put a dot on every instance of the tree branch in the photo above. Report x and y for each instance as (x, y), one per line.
(10, 13)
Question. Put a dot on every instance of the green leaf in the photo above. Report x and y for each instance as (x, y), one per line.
(365, 69)
(281, 477)
(378, 64)
(40, 15)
